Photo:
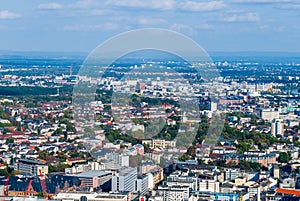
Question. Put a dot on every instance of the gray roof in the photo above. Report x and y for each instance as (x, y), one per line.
(92, 173)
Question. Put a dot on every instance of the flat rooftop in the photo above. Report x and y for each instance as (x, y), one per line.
(92, 173)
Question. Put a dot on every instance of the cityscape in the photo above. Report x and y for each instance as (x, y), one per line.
(119, 101)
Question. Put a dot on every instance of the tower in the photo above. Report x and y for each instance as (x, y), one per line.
(71, 70)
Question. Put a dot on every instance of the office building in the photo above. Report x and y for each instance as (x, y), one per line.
(124, 180)
(31, 167)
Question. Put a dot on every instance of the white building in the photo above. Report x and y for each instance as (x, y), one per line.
(174, 193)
(208, 185)
(142, 184)
(277, 128)
(124, 180)
(77, 196)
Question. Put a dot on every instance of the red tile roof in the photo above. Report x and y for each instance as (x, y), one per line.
(288, 191)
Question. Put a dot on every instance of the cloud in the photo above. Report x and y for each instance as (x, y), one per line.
(84, 27)
(5, 14)
(50, 6)
(265, 1)
(85, 4)
(99, 12)
(183, 28)
(147, 4)
(202, 6)
(169, 4)
(248, 17)
(145, 21)
(289, 6)
(280, 29)
(205, 26)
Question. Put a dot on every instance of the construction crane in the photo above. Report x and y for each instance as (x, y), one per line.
(43, 183)
(5, 190)
(27, 189)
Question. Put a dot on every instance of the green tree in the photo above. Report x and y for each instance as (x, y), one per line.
(284, 157)
(9, 140)
(184, 157)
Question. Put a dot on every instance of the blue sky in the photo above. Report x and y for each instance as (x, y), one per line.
(79, 26)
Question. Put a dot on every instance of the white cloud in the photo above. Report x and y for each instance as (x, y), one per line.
(280, 29)
(183, 28)
(265, 1)
(205, 26)
(145, 21)
(248, 17)
(264, 27)
(289, 6)
(85, 4)
(50, 6)
(147, 4)
(84, 27)
(202, 6)
(99, 12)
(5, 14)
(169, 4)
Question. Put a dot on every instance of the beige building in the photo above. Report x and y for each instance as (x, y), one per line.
(154, 143)
(276, 172)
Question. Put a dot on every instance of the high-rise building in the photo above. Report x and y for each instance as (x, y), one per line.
(276, 172)
(142, 183)
(124, 180)
(277, 128)
(213, 106)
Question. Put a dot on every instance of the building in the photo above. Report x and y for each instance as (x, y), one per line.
(124, 180)
(208, 185)
(213, 106)
(94, 178)
(225, 197)
(173, 193)
(262, 158)
(154, 143)
(231, 173)
(269, 114)
(78, 196)
(276, 172)
(142, 184)
(139, 148)
(31, 167)
(122, 160)
(277, 128)
(177, 179)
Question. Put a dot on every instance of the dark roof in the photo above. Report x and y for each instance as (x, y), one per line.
(53, 182)
(30, 161)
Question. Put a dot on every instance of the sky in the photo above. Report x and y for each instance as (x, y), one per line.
(81, 25)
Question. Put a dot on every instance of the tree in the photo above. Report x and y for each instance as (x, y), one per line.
(284, 157)
(9, 141)
(4, 172)
(184, 157)
(192, 151)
